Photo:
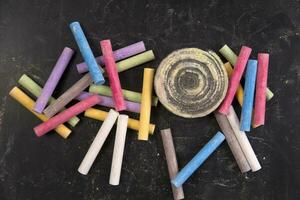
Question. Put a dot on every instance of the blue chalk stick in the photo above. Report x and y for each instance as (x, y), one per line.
(249, 88)
(198, 159)
(87, 53)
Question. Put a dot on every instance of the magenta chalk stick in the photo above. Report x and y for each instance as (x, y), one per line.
(64, 116)
(113, 76)
(261, 86)
(53, 79)
(109, 102)
(235, 79)
(119, 54)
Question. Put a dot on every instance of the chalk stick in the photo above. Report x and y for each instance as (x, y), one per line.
(108, 102)
(135, 61)
(101, 115)
(170, 153)
(129, 63)
(119, 54)
(228, 54)
(64, 116)
(145, 113)
(243, 140)
(87, 53)
(198, 159)
(128, 95)
(116, 165)
(32, 87)
(28, 103)
(53, 79)
(261, 84)
(232, 57)
(232, 142)
(247, 107)
(68, 96)
(113, 76)
(98, 142)
(235, 79)
(240, 92)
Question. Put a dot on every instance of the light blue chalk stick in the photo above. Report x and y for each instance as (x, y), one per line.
(87, 53)
(198, 159)
(249, 88)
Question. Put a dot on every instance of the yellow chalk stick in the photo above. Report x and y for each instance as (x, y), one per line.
(240, 92)
(146, 104)
(28, 103)
(101, 115)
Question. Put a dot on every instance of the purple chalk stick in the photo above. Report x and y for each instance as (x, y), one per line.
(109, 102)
(53, 79)
(119, 54)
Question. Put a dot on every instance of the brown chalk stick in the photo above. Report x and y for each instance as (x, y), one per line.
(68, 96)
(232, 142)
(171, 161)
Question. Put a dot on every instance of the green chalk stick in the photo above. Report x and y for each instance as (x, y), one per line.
(228, 54)
(232, 57)
(29, 84)
(135, 61)
(129, 95)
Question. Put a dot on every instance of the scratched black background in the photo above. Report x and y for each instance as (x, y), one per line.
(33, 34)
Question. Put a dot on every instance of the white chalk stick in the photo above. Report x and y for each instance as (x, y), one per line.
(116, 165)
(98, 142)
(243, 140)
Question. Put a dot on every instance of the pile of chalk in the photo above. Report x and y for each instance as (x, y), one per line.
(55, 112)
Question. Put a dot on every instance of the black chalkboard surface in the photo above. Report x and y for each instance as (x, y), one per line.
(32, 35)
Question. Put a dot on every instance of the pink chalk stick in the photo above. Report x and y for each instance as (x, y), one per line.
(235, 79)
(261, 86)
(113, 76)
(64, 116)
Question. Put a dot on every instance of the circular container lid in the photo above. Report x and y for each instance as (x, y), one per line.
(191, 82)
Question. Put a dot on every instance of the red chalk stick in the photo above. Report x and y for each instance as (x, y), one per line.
(261, 86)
(235, 79)
(112, 72)
(64, 116)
